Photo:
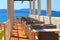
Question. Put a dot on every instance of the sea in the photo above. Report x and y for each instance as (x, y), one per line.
(24, 13)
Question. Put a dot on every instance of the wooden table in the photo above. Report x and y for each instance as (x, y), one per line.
(44, 34)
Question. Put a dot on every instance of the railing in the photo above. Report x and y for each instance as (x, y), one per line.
(54, 20)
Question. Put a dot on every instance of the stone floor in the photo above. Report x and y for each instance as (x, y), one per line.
(18, 33)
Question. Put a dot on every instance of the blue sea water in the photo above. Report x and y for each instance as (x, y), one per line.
(24, 13)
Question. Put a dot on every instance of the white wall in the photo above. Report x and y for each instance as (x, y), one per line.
(55, 20)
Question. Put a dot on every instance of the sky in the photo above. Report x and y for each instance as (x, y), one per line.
(18, 5)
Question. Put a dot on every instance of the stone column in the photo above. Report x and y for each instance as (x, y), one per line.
(9, 24)
(39, 9)
(11, 10)
(33, 7)
(49, 9)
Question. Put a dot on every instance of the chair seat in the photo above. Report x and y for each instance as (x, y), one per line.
(49, 26)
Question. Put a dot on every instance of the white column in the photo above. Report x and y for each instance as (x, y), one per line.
(33, 7)
(11, 10)
(39, 9)
(49, 10)
(48, 7)
(9, 24)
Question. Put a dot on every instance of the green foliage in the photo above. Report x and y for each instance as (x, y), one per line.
(1, 35)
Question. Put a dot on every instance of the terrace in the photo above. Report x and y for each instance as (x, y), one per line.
(35, 27)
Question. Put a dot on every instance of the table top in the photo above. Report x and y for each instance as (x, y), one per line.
(46, 30)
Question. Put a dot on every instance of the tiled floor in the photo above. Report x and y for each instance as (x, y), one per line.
(18, 32)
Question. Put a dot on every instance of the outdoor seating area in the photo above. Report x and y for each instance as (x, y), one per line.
(31, 28)
(18, 32)
(32, 22)
(22, 30)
